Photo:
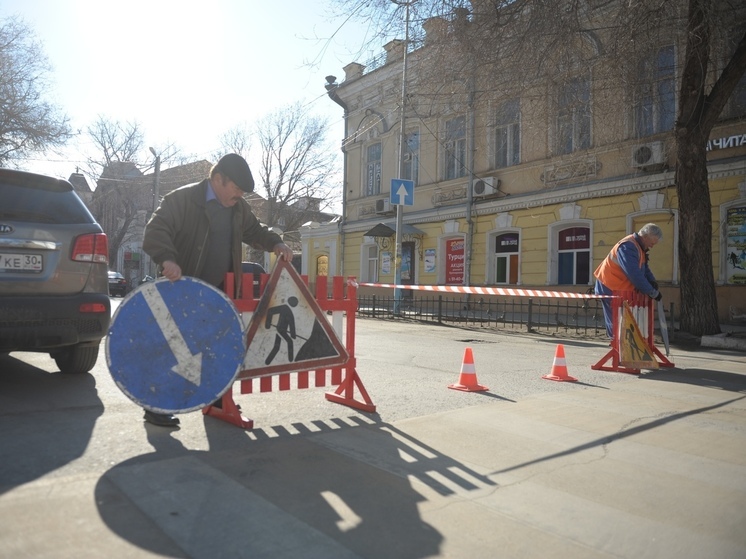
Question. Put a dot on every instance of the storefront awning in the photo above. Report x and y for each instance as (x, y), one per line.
(388, 229)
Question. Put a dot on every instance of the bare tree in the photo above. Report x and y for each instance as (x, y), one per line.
(28, 123)
(122, 196)
(514, 46)
(296, 170)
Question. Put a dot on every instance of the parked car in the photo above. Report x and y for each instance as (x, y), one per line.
(257, 270)
(117, 284)
(54, 296)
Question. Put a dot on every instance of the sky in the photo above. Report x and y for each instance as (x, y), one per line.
(187, 71)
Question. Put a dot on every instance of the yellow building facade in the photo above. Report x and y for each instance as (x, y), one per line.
(517, 189)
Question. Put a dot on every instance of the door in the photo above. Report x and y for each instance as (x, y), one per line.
(408, 267)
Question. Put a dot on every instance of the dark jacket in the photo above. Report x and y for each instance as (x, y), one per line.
(179, 231)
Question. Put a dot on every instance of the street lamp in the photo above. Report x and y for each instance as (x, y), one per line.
(156, 188)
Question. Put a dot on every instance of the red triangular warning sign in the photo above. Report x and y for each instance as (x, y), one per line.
(288, 331)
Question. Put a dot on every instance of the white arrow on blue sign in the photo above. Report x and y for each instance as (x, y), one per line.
(402, 192)
(175, 347)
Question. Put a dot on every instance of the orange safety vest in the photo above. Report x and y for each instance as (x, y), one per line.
(610, 273)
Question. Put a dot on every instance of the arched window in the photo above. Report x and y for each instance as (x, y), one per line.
(507, 247)
(574, 256)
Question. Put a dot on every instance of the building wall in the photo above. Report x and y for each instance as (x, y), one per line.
(599, 188)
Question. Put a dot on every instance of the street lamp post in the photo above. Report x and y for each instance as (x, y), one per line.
(402, 147)
(156, 194)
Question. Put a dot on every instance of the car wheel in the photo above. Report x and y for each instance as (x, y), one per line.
(76, 359)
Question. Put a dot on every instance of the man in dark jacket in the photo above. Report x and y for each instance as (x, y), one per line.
(198, 231)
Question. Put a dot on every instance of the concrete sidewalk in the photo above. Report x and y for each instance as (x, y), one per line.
(650, 466)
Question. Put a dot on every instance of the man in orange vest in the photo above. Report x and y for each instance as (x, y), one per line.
(626, 269)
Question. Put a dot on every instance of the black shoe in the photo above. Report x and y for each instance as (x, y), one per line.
(162, 419)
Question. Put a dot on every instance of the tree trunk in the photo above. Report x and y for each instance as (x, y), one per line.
(699, 310)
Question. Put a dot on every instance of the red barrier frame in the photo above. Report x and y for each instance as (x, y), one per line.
(345, 377)
(634, 299)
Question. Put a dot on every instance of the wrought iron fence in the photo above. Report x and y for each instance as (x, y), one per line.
(568, 317)
(580, 317)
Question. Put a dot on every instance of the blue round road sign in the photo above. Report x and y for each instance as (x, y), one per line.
(175, 347)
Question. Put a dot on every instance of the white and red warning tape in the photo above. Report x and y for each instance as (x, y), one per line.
(489, 291)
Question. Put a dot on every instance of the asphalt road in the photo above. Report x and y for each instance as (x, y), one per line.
(77, 443)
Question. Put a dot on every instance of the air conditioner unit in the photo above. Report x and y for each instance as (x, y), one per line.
(383, 206)
(646, 155)
(485, 187)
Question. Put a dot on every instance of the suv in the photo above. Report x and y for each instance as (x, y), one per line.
(117, 284)
(54, 294)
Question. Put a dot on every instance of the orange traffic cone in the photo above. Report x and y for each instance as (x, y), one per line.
(559, 368)
(467, 380)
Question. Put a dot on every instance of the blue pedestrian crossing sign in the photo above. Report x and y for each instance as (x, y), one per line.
(402, 192)
(175, 347)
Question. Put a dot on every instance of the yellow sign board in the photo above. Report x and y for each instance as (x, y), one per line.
(634, 351)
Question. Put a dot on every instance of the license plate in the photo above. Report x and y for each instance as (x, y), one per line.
(21, 262)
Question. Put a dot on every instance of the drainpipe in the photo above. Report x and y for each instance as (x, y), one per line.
(331, 89)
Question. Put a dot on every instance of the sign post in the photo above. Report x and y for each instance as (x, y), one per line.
(401, 194)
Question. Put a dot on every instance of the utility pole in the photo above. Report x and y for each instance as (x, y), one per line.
(156, 195)
(402, 147)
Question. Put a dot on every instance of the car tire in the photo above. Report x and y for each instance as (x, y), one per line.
(76, 359)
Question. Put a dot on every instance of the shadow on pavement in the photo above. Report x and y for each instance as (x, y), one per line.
(336, 488)
(624, 433)
(722, 380)
(47, 420)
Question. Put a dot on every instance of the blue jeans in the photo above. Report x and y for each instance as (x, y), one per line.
(601, 289)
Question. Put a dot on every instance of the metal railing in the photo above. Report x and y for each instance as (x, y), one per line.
(569, 317)
(578, 317)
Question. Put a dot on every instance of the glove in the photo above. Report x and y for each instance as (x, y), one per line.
(659, 296)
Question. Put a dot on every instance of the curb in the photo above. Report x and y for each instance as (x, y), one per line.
(724, 341)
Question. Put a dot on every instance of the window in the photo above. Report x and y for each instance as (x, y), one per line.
(455, 148)
(411, 164)
(322, 265)
(655, 104)
(735, 245)
(574, 256)
(373, 178)
(574, 116)
(506, 258)
(508, 134)
(369, 268)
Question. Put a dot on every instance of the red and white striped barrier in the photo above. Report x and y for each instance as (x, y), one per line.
(489, 291)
